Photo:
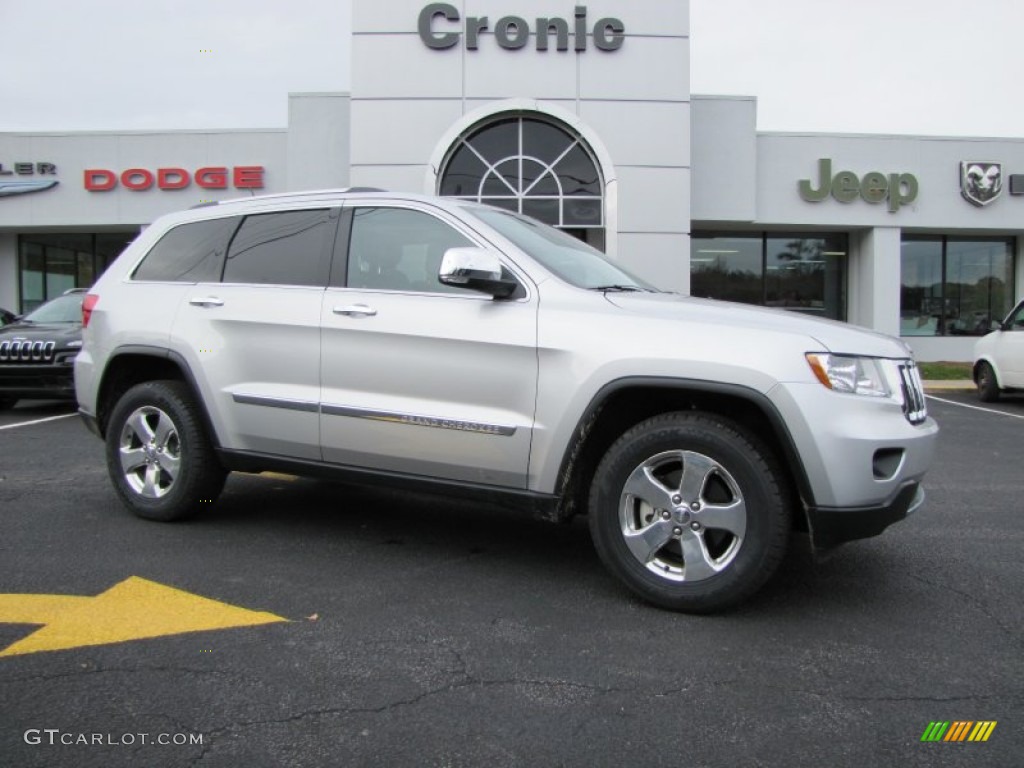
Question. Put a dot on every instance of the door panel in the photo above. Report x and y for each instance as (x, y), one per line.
(258, 362)
(256, 335)
(429, 384)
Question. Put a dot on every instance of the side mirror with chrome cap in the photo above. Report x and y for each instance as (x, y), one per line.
(477, 269)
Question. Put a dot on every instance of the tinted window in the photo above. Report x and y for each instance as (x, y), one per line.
(287, 248)
(400, 250)
(190, 253)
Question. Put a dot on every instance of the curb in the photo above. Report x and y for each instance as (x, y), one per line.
(959, 385)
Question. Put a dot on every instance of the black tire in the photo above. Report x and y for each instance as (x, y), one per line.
(6, 403)
(734, 561)
(988, 387)
(177, 474)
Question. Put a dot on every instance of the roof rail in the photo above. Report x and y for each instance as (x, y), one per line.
(305, 193)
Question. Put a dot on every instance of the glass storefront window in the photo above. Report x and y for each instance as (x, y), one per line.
(801, 272)
(32, 271)
(51, 263)
(727, 267)
(954, 286)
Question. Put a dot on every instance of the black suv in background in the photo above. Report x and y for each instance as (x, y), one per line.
(37, 352)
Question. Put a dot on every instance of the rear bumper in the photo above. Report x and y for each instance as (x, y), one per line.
(831, 526)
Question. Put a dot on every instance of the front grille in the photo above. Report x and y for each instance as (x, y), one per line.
(27, 351)
(914, 407)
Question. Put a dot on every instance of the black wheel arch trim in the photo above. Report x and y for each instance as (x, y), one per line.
(180, 362)
(791, 456)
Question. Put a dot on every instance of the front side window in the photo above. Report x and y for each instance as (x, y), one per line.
(398, 249)
(801, 272)
(283, 248)
(954, 286)
(189, 253)
(1015, 322)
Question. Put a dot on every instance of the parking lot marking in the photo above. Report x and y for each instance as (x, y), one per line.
(134, 609)
(38, 421)
(976, 407)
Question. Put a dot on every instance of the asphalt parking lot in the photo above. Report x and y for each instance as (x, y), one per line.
(425, 632)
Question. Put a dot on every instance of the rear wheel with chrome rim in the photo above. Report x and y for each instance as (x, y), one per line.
(159, 457)
(690, 511)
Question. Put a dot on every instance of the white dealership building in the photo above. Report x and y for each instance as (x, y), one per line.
(582, 116)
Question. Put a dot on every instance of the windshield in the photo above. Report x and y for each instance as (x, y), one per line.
(63, 309)
(572, 260)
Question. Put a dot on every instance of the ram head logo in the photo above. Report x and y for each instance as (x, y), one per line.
(980, 182)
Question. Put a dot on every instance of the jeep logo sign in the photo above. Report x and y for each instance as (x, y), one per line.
(898, 188)
(513, 32)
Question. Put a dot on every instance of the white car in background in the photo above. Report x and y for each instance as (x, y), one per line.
(999, 358)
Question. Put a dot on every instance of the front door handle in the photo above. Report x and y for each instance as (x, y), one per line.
(355, 310)
(206, 301)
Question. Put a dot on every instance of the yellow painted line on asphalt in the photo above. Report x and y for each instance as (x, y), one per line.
(37, 421)
(134, 609)
(976, 407)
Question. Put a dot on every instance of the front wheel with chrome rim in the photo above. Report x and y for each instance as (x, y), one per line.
(158, 454)
(690, 511)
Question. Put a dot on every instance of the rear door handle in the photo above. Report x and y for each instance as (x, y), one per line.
(206, 301)
(355, 310)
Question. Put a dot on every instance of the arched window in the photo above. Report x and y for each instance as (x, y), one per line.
(531, 165)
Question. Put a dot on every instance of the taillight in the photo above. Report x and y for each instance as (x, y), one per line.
(90, 301)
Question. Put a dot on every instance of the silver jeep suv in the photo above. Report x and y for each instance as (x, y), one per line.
(435, 343)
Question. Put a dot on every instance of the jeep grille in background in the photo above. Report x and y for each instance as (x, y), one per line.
(27, 351)
(914, 407)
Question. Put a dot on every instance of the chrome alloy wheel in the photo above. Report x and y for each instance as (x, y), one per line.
(150, 452)
(682, 516)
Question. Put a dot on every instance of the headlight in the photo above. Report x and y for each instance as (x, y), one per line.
(853, 375)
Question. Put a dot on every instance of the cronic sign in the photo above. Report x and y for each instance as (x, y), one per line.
(440, 26)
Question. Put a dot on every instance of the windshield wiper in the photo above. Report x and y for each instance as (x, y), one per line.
(620, 288)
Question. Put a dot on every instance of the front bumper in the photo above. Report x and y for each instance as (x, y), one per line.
(37, 381)
(832, 526)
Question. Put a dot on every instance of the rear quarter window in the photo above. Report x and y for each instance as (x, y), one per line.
(189, 253)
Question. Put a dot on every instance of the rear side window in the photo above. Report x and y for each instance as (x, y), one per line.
(189, 253)
(285, 248)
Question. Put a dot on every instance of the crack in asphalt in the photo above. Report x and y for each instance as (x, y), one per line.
(976, 602)
(457, 685)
